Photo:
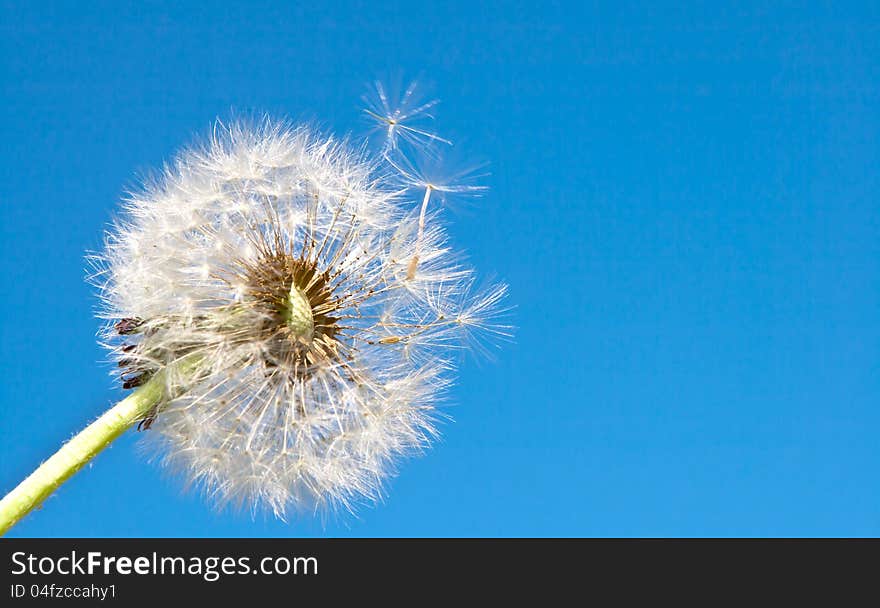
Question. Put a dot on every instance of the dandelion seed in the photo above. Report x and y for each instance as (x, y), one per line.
(440, 174)
(427, 177)
(402, 119)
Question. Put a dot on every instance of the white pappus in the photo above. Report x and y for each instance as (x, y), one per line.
(304, 308)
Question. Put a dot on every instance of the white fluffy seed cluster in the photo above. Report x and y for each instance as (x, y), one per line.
(303, 310)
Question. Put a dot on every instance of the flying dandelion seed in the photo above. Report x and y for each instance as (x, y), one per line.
(287, 316)
(402, 117)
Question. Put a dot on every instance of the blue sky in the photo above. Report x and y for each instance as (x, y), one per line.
(683, 199)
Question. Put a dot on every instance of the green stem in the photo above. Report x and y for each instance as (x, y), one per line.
(79, 450)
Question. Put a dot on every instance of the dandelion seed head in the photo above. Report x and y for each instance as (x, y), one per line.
(268, 274)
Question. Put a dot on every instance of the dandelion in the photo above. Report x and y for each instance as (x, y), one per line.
(286, 318)
(402, 118)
